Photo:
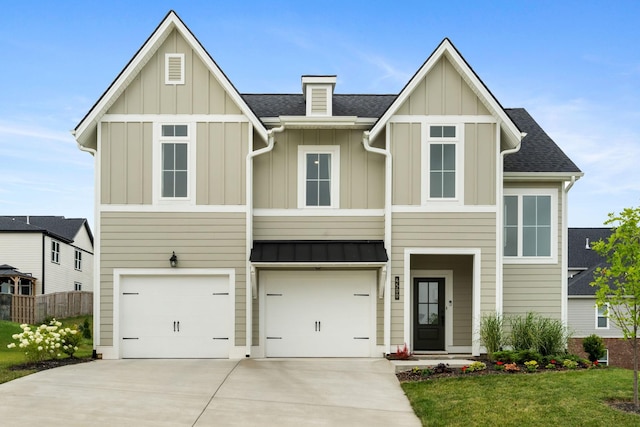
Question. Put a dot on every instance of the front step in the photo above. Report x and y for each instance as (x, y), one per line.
(441, 356)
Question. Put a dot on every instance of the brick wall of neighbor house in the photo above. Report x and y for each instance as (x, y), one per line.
(620, 351)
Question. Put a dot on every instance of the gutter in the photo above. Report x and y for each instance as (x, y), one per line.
(251, 279)
(385, 271)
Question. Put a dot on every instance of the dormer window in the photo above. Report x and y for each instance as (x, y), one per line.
(318, 93)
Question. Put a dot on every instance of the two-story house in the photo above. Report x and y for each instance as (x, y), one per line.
(51, 253)
(315, 224)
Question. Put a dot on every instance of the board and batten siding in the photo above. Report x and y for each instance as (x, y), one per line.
(201, 92)
(535, 287)
(147, 240)
(443, 230)
(318, 228)
(275, 176)
(582, 319)
(409, 173)
(127, 170)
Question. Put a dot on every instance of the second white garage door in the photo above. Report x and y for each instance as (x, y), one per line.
(319, 313)
(175, 316)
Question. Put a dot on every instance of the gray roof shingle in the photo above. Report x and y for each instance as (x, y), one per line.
(63, 228)
(275, 105)
(579, 257)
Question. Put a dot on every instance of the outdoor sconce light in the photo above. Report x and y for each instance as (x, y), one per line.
(174, 259)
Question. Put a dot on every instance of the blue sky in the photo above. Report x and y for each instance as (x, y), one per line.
(574, 65)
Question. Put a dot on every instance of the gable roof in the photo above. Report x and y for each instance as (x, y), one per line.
(538, 152)
(86, 129)
(586, 260)
(65, 229)
(446, 48)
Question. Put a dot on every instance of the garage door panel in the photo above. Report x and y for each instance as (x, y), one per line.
(319, 314)
(175, 317)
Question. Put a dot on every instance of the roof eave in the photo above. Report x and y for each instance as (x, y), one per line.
(542, 176)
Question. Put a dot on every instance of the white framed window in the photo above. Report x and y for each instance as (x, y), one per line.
(55, 252)
(602, 316)
(77, 286)
(530, 226)
(78, 260)
(443, 163)
(318, 176)
(174, 163)
(605, 359)
(174, 68)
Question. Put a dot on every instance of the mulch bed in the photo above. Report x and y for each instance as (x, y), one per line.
(49, 364)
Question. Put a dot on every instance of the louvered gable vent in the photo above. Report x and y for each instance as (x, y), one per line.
(318, 92)
(174, 68)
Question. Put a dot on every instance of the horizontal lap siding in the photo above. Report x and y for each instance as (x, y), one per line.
(582, 319)
(443, 230)
(318, 228)
(147, 240)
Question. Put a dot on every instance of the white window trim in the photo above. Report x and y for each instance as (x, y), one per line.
(77, 286)
(56, 259)
(328, 92)
(605, 359)
(606, 317)
(77, 261)
(334, 150)
(519, 259)
(156, 168)
(167, 57)
(427, 140)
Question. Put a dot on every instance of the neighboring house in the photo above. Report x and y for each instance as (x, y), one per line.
(316, 224)
(56, 252)
(585, 318)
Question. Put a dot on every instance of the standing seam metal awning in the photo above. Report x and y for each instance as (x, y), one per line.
(317, 251)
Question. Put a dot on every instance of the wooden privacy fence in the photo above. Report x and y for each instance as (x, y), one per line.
(35, 309)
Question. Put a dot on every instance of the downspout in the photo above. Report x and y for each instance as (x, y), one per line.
(43, 264)
(250, 275)
(96, 249)
(564, 293)
(500, 219)
(387, 235)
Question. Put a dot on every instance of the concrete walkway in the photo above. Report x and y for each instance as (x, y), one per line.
(251, 392)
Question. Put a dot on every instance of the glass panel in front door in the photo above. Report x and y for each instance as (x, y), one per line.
(428, 303)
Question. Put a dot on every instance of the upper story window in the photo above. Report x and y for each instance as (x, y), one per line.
(77, 286)
(444, 167)
(602, 317)
(530, 231)
(174, 163)
(318, 176)
(55, 252)
(78, 260)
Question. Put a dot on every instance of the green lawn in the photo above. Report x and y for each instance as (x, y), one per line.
(568, 398)
(12, 357)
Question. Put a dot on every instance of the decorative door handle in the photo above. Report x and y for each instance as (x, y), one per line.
(174, 326)
(178, 326)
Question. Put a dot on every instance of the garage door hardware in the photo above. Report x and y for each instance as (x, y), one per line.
(360, 295)
(274, 338)
(318, 326)
(126, 338)
(274, 295)
(176, 324)
(360, 338)
(220, 338)
(130, 293)
(220, 293)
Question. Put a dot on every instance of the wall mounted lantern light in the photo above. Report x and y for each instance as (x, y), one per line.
(174, 259)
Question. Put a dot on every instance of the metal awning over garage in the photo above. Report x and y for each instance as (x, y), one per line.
(318, 251)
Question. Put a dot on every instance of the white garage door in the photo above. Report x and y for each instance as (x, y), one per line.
(319, 313)
(174, 317)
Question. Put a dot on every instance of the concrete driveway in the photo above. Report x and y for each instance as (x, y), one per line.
(258, 392)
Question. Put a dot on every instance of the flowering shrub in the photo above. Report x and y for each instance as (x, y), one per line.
(570, 364)
(46, 341)
(531, 365)
(499, 366)
(477, 366)
(465, 368)
(511, 367)
(403, 353)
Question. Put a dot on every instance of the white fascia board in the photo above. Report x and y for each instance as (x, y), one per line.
(359, 122)
(446, 47)
(172, 21)
(541, 176)
(294, 265)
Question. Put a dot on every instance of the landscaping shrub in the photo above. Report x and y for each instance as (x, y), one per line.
(46, 341)
(492, 334)
(505, 356)
(527, 355)
(541, 334)
(593, 345)
(523, 332)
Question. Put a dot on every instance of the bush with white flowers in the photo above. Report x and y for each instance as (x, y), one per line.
(46, 341)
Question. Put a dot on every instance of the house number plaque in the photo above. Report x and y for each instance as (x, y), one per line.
(397, 288)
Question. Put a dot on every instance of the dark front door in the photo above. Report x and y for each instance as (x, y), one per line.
(428, 323)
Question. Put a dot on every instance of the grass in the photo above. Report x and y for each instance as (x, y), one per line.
(12, 357)
(568, 398)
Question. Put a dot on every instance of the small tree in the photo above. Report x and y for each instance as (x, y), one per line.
(619, 283)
